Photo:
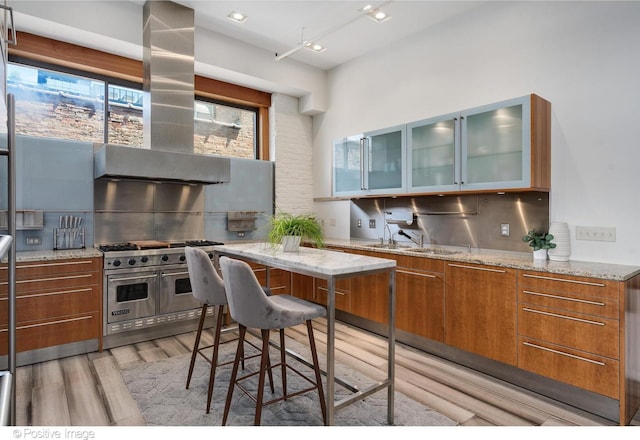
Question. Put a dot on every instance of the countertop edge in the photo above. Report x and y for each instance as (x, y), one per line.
(507, 259)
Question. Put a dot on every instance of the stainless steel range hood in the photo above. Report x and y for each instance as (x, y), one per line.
(168, 62)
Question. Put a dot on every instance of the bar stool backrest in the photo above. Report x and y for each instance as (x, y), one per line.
(206, 285)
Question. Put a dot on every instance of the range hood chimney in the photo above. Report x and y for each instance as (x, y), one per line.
(168, 61)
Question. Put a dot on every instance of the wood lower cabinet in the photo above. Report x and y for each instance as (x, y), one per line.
(279, 280)
(57, 302)
(480, 310)
(569, 330)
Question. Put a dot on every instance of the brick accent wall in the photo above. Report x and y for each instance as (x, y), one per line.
(291, 135)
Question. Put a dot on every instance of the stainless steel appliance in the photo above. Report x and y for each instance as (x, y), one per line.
(147, 290)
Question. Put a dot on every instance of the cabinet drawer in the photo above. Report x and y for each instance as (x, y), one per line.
(32, 269)
(53, 281)
(343, 299)
(583, 332)
(41, 334)
(50, 304)
(279, 280)
(583, 370)
(421, 263)
(548, 282)
(573, 301)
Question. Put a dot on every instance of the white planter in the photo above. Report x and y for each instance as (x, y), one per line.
(291, 243)
(540, 254)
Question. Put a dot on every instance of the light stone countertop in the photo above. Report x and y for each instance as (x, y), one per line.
(508, 259)
(317, 262)
(49, 255)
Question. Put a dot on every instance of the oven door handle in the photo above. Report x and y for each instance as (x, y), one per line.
(142, 277)
(173, 273)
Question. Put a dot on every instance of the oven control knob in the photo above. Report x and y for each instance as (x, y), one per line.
(144, 259)
(165, 258)
(117, 263)
(182, 258)
(132, 262)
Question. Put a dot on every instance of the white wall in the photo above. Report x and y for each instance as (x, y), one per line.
(292, 151)
(583, 57)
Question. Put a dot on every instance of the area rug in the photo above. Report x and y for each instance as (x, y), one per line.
(159, 390)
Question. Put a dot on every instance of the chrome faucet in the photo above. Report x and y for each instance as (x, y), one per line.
(419, 240)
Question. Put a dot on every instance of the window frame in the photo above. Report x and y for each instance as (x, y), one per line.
(116, 68)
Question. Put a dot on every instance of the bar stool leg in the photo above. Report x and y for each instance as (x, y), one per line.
(242, 330)
(196, 344)
(316, 369)
(264, 365)
(214, 358)
(283, 364)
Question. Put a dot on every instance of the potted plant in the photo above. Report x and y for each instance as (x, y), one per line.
(289, 229)
(540, 242)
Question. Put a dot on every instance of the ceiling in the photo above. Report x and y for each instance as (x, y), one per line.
(347, 33)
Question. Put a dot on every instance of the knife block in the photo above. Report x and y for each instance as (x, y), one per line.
(68, 238)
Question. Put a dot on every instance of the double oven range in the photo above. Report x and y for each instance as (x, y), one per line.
(147, 290)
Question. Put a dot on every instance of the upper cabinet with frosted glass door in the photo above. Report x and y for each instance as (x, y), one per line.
(502, 146)
(370, 164)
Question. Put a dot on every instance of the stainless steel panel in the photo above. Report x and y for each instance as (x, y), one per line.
(118, 227)
(457, 220)
(171, 197)
(178, 226)
(140, 163)
(123, 195)
(168, 61)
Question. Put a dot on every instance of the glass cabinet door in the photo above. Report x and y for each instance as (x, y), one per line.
(434, 155)
(347, 165)
(384, 159)
(496, 145)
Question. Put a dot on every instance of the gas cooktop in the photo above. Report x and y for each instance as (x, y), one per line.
(132, 246)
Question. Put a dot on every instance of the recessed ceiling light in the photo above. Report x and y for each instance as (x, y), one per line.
(236, 16)
(314, 47)
(377, 15)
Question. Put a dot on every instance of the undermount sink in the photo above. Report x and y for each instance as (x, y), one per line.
(388, 246)
(433, 251)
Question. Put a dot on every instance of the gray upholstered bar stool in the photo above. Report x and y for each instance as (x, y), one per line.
(252, 308)
(208, 288)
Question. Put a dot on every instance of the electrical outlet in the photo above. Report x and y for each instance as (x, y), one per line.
(33, 240)
(504, 229)
(359, 223)
(372, 223)
(595, 233)
(240, 234)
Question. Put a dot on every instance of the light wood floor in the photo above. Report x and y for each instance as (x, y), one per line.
(88, 390)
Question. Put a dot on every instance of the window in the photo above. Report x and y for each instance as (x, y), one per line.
(224, 130)
(58, 105)
(65, 105)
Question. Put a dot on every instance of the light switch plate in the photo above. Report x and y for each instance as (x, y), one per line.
(372, 223)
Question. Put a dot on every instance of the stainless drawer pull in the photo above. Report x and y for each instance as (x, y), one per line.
(141, 277)
(426, 275)
(37, 280)
(565, 354)
(82, 318)
(26, 266)
(60, 292)
(584, 301)
(587, 283)
(337, 292)
(164, 274)
(586, 321)
(477, 268)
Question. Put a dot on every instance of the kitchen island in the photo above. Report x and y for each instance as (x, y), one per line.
(330, 266)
